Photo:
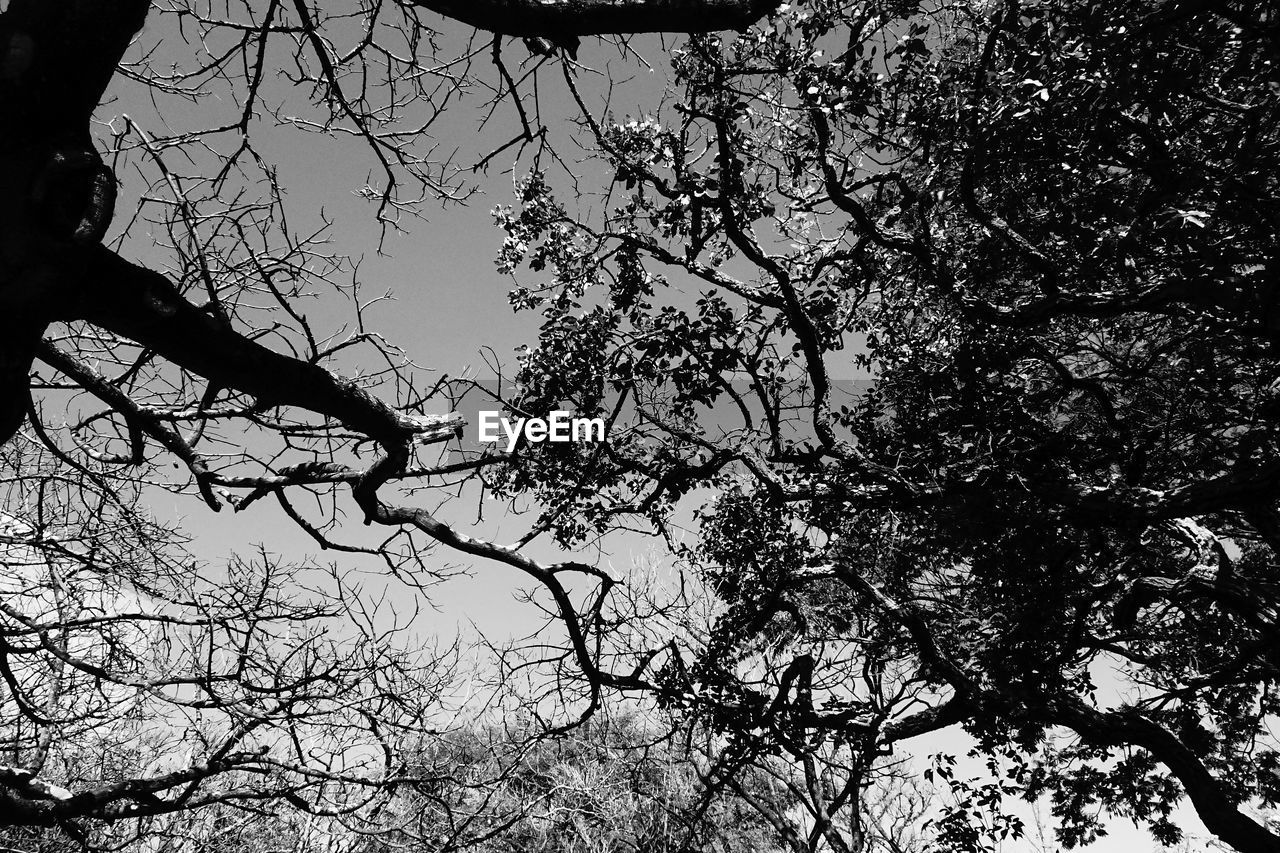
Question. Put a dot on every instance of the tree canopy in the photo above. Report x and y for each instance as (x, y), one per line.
(953, 327)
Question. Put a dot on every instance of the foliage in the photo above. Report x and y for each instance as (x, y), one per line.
(1044, 233)
(1041, 234)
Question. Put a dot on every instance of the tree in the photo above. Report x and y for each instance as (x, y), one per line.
(623, 783)
(114, 636)
(149, 684)
(611, 784)
(1044, 232)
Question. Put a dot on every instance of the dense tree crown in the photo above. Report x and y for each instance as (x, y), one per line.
(1042, 236)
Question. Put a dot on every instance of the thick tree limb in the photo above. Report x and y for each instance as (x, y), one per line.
(1247, 486)
(59, 58)
(28, 801)
(145, 307)
(1124, 727)
(1127, 727)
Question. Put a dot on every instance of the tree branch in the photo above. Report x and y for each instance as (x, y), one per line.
(1127, 727)
(572, 18)
(145, 307)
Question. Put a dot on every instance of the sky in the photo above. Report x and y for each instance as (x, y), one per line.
(448, 306)
(449, 310)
